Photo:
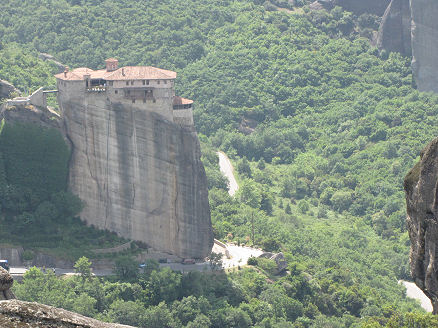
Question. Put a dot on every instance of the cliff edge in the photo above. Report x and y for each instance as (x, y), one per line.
(140, 175)
(421, 186)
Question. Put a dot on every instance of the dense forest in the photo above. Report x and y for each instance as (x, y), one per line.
(321, 127)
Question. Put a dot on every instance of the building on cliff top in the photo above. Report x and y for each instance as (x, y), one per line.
(143, 87)
(135, 157)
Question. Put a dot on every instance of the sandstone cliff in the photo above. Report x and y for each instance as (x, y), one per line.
(421, 186)
(425, 44)
(139, 175)
(395, 28)
(411, 27)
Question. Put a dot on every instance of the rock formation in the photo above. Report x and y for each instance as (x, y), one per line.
(139, 175)
(47, 57)
(15, 313)
(395, 28)
(6, 89)
(421, 186)
(6, 283)
(42, 117)
(425, 44)
(411, 27)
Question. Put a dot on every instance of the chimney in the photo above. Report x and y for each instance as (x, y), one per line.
(66, 71)
(123, 71)
(111, 64)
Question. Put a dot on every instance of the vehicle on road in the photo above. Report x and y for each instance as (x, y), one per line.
(4, 264)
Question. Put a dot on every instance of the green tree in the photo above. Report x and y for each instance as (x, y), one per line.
(126, 268)
(83, 267)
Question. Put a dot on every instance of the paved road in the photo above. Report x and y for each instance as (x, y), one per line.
(412, 291)
(227, 170)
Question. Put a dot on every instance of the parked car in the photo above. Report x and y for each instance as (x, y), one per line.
(4, 264)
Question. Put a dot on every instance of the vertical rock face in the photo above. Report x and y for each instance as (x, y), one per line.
(421, 186)
(395, 28)
(139, 175)
(425, 43)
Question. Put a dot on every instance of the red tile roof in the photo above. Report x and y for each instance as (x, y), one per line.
(124, 73)
(141, 73)
(181, 101)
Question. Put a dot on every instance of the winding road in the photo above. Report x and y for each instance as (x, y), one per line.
(228, 171)
(412, 291)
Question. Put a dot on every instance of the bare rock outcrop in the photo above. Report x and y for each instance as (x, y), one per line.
(6, 89)
(140, 175)
(395, 28)
(42, 117)
(47, 57)
(19, 314)
(421, 186)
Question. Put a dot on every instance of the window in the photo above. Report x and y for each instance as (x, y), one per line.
(129, 92)
(147, 82)
(158, 81)
(116, 91)
(110, 83)
(165, 81)
(144, 100)
(132, 82)
(127, 82)
(133, 101)
(144, 82)
(155, 101)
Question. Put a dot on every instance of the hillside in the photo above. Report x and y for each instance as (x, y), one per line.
(321, 127)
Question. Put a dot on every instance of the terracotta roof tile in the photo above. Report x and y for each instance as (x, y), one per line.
(141, 73)
(124, 73)
(177, 100)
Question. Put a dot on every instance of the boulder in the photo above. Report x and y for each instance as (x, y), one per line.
(395, 28)
(420, 186)
(6, 282)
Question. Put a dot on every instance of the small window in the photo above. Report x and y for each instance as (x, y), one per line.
(129, 92)
(165, 81)
(144, 82)
(110, 83)
(155, 101)
(133, 101)
(127, 82)
(132, 82)
(158, 81)
(144, 100)
(147, 82)
(116, 91)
